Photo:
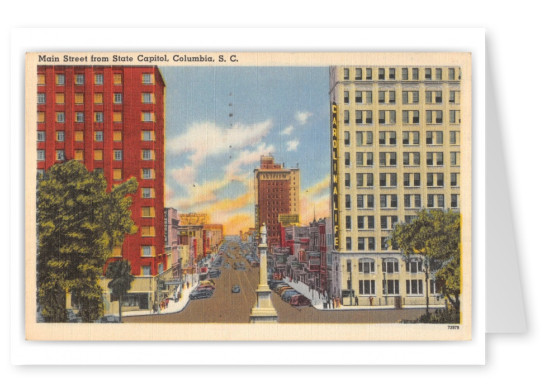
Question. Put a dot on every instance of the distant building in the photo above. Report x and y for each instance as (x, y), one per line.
(276, 193)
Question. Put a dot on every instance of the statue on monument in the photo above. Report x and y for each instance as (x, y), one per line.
(263, 233)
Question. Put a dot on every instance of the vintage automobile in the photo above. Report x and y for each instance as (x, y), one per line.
(235, 289)
(201, 294)
(286, 296)
(299, 301)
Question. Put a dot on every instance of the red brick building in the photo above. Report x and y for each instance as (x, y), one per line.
(276, 193)
(111, 118)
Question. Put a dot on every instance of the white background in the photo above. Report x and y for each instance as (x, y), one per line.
(516, 42)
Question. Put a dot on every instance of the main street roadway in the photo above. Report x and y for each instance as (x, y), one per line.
(227, 307)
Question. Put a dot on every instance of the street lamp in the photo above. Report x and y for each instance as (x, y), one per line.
(385, 290)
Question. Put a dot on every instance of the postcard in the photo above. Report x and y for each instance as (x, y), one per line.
(244, 196)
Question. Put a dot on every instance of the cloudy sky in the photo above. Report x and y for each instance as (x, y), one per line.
(219, 121)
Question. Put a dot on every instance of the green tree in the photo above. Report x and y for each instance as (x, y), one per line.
(79, 223)
(121, 280)
(434, 236)
(448, 279)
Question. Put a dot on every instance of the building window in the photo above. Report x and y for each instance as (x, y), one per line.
(148, 154)
(454, 117)
(454, 201)
(391, 287)
(117, 116)
(145, 270)
(60, 117)
(438, 73)
(346, 117)
(404, 73)
(359, 97)
(346, 98)
(361, 244)
(359, 115)
(98, 117)
(435, 138)
(60, 136)
(117, 174)
(117, 98)
(79, 79)
(59, 155)
(148, 97)
(439, 179)
(454, 158)
(98, 98)
(451, 74)
(79, 99)
(454, 179)
(147, 135)
(79, 116)
(390, 266)
(98, 79)
(358, 74)
(147, 78)
(98, 136)
(414, 287)
(392, 73)
(117, 79)
(60, 79)
(415, 74)
(346, 138)
(148, 231)
(410, 116)
(367, 287)
(348, 243)
(117, 154)
(346, 74)
(347, 201)
(347, 180)
(40, 155)
(148, 173)
(41, 79)
(98, 154)
(40, 136)
(148, 251)
(79, 135)
(41, 98)
(414, 266)
(381, 73)
(412, 201)
(117, 135)
(410, 138)
(368, 74)
(454, 97)
(428, 74)
(371, 244)
(454, 137)
(148, 192)
(148, 211)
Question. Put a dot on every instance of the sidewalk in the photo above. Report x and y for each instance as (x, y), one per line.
(172, 308)
(317, 300)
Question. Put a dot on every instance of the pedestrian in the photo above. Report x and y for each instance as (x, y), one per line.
(356, 300)
(371, 300)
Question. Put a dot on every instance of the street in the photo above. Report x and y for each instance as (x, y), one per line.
(227, 307)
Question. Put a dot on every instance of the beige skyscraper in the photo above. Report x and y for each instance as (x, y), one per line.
(396, 133)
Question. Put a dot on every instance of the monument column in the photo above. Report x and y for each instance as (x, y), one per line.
(263, 311)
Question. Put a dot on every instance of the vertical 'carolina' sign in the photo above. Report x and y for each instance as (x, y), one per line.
(335, 174)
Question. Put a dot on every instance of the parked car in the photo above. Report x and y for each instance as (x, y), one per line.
(109, 319)
(299, 301)
(235, 289)
(286, 296)
(207, 282)
(205, 287)
(201, 294)
(282, 289)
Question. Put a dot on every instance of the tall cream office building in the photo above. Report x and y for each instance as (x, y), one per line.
(396, 135)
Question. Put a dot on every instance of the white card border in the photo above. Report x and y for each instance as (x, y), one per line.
(246, 353)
